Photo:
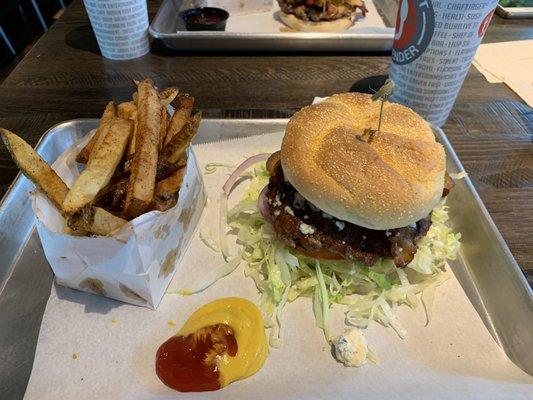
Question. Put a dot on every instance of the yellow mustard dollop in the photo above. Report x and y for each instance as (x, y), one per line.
(245, 319)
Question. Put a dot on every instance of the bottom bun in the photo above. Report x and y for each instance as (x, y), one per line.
(337, 25)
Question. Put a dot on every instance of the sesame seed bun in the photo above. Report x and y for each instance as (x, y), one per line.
(391, 182)
(336, 25)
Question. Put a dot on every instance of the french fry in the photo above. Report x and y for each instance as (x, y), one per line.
(181, 115)
(167, 190)
(119, 195)
(144, 163)
(101, 166)
(131, 146)
(175, 148)
(164, 169)
(126, 110)
(103, 133)
(168, 95)
(109, 112)
(163, 128)
(35, 168)
(94, 220)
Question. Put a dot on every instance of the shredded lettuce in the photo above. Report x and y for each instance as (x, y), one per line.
(211, 168)
(217, 274)
(459, 175)
(207, 237)
(368, 293)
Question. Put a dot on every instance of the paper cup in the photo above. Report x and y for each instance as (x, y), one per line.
(120, 27)
(435, 43)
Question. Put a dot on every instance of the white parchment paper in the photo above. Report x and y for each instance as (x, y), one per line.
(95, 348)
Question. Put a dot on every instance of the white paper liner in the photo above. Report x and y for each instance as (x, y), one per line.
(454, 357)
(134, 264)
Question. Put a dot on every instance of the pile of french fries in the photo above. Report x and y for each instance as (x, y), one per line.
(134, 163)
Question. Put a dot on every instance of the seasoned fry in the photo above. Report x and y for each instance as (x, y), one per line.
(101, 166)
(168, 95)
(94, 220)
(181, 115)
(143, 166)
(100, 139)
(131, 146)
(105, 196)
(164, 169)
(126, 110)
(35, 168)
(119, 195)
(109, 112)
(167, 190)
(163, 128)
(175, 148)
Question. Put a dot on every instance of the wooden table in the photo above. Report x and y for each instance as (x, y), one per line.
(64, 77)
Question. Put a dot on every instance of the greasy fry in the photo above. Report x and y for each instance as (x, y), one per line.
(167, 190)
(181, 115)
(164, 169)
(94, 220)
(109, 112)
(175, 148)
(168, 95)
(143, 166)
(126, 110)
(35, 168)
(119, 196)
(101, 166)
(106, 195)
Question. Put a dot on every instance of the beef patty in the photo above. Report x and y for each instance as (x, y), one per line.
(302, 226)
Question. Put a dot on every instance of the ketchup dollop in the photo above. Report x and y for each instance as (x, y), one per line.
(190, 363)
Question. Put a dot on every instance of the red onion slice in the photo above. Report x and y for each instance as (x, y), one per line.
(263, 206)
(228, 186)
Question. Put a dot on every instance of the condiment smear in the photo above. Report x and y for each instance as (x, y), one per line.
(220, 343)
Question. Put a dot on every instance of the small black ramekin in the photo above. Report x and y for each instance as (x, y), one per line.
(205, 19)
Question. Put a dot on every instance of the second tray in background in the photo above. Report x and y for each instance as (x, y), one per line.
(168, 27)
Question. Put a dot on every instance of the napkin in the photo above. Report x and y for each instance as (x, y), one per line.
(91, 347)
(510, 63)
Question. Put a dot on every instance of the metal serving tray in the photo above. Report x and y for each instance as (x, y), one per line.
(514, 12)
(169, 28)
(485, 268)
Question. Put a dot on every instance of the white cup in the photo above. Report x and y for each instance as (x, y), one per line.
(120, 27)
(434, 45)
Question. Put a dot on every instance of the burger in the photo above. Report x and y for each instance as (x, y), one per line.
(320, 15)
(335, 192)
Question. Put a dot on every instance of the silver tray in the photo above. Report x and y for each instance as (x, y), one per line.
(485, 267)
(514, 12)
(168, 27)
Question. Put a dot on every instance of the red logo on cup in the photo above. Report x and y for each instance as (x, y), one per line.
(485, 24)
(414, 29)
(405, 24)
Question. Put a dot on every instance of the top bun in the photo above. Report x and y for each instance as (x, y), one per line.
(336, 25)
(391, 182)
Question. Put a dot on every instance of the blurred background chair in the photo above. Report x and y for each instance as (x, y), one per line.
(22, 22)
